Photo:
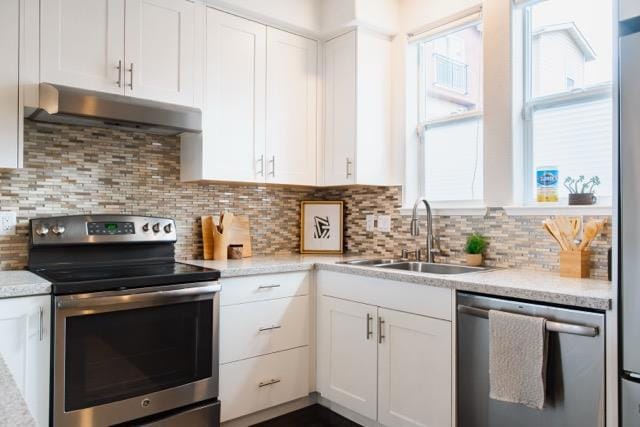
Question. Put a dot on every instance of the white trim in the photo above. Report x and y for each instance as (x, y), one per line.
(443, 26)
(453, 118)
(450, 209)
(552, 209)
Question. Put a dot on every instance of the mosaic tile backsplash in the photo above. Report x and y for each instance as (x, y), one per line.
(77, 170)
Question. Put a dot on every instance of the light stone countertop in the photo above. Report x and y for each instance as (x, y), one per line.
(13, 408)
(20, 283)
(511, 283)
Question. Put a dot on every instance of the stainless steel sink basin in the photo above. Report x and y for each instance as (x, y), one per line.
(371, 262)
(425, 267)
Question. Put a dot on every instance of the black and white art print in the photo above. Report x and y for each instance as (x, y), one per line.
(321, 227)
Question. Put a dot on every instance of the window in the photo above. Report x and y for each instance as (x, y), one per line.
(568, 92)
(450, 98)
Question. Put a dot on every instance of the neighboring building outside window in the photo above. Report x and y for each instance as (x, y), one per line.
(451, 115)
(568, 95)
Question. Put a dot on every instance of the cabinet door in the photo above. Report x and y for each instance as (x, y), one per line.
(347, 354)
(10, 117)
(340, 110)
(25, 348)
(234, 117)
(414, 366)
(291, 108)
(160, 50)
(82, 44)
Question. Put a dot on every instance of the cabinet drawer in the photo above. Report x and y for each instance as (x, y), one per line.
(238, 290)
(254, 384)
(248, 330)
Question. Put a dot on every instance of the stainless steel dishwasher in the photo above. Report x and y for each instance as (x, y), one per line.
(575, 394)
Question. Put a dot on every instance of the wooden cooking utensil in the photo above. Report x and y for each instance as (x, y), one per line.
(207, 236)
(591, 230)
(566, 229)
(239, 233)
(546, 227)
(553, 228)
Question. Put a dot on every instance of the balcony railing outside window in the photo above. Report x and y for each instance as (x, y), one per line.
(450, 74)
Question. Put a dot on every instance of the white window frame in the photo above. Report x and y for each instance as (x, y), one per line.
(532, 104)
(466, 19)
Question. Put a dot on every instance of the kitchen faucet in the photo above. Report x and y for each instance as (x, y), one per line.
(415, 229)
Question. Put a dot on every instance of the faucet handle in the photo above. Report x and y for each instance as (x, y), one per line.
(407, 253)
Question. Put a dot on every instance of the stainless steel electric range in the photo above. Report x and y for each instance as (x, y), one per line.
(135, 332)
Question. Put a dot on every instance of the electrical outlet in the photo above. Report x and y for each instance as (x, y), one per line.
(384, 223)
(371, 222)
(7, 223)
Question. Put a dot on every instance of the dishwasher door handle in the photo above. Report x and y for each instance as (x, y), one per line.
(560, 327)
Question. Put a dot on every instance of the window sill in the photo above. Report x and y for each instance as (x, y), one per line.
(448, 210)
(546, 210)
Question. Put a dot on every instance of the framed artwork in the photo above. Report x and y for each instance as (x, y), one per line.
(321, 227)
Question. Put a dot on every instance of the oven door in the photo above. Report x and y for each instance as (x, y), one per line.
(123, 355)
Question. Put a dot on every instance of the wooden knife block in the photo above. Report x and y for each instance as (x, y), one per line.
(575, 264)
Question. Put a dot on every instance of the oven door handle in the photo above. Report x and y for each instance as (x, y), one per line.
(133, 298)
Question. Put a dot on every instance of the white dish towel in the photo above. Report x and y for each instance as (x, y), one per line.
(517, 358)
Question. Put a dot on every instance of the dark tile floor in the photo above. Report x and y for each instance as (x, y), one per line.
(311, 416)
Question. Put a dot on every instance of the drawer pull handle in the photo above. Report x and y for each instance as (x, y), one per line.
(269, 328)
(369, 321)
(266, 383)
(381, 336)
(268, 286)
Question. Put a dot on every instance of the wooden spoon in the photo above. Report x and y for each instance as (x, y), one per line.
(591, 230)
(553, 228)
(548, 229)
(566, 229)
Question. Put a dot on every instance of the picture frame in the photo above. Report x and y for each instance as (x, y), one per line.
(321, 227)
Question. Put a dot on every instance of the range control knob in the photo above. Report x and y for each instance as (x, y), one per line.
(57, 229)
(145, 227)
(156, 227)
(42, 230)
(168, 228)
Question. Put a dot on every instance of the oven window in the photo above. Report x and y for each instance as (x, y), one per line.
(117, 355)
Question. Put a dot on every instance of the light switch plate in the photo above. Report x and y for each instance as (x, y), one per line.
(7, 223)
(371, 222)
(384, 223)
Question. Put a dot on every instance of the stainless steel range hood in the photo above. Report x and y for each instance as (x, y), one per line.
(63, 104)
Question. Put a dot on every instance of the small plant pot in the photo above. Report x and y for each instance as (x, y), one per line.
(582, 199)
(473, 260)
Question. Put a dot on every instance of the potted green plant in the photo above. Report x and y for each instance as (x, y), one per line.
(475, 247)
(581, 191)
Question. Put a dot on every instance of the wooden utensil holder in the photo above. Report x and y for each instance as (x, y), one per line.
(575, 264)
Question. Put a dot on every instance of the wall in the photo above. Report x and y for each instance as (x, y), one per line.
(75, 170)
(518, 242)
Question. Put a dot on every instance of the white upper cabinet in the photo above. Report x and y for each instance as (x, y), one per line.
(82, 44)
(141, 48)
(358, 147)
(291, 108)
(159, 50)
(234, 105)
(25, 348)
(10, 112)
(414, 370)
(340, 100)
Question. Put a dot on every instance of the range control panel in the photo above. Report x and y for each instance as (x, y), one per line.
(97, 229)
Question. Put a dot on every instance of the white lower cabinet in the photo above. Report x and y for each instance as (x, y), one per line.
(385, 364)
(347, 354)
(264, 342)
(25, 343)
(414, 370)
(258, 383)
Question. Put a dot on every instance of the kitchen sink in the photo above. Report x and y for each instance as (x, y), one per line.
(426, 267)
(371, 262)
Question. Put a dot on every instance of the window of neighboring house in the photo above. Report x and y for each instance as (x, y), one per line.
(568, 92)
(450, 112)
